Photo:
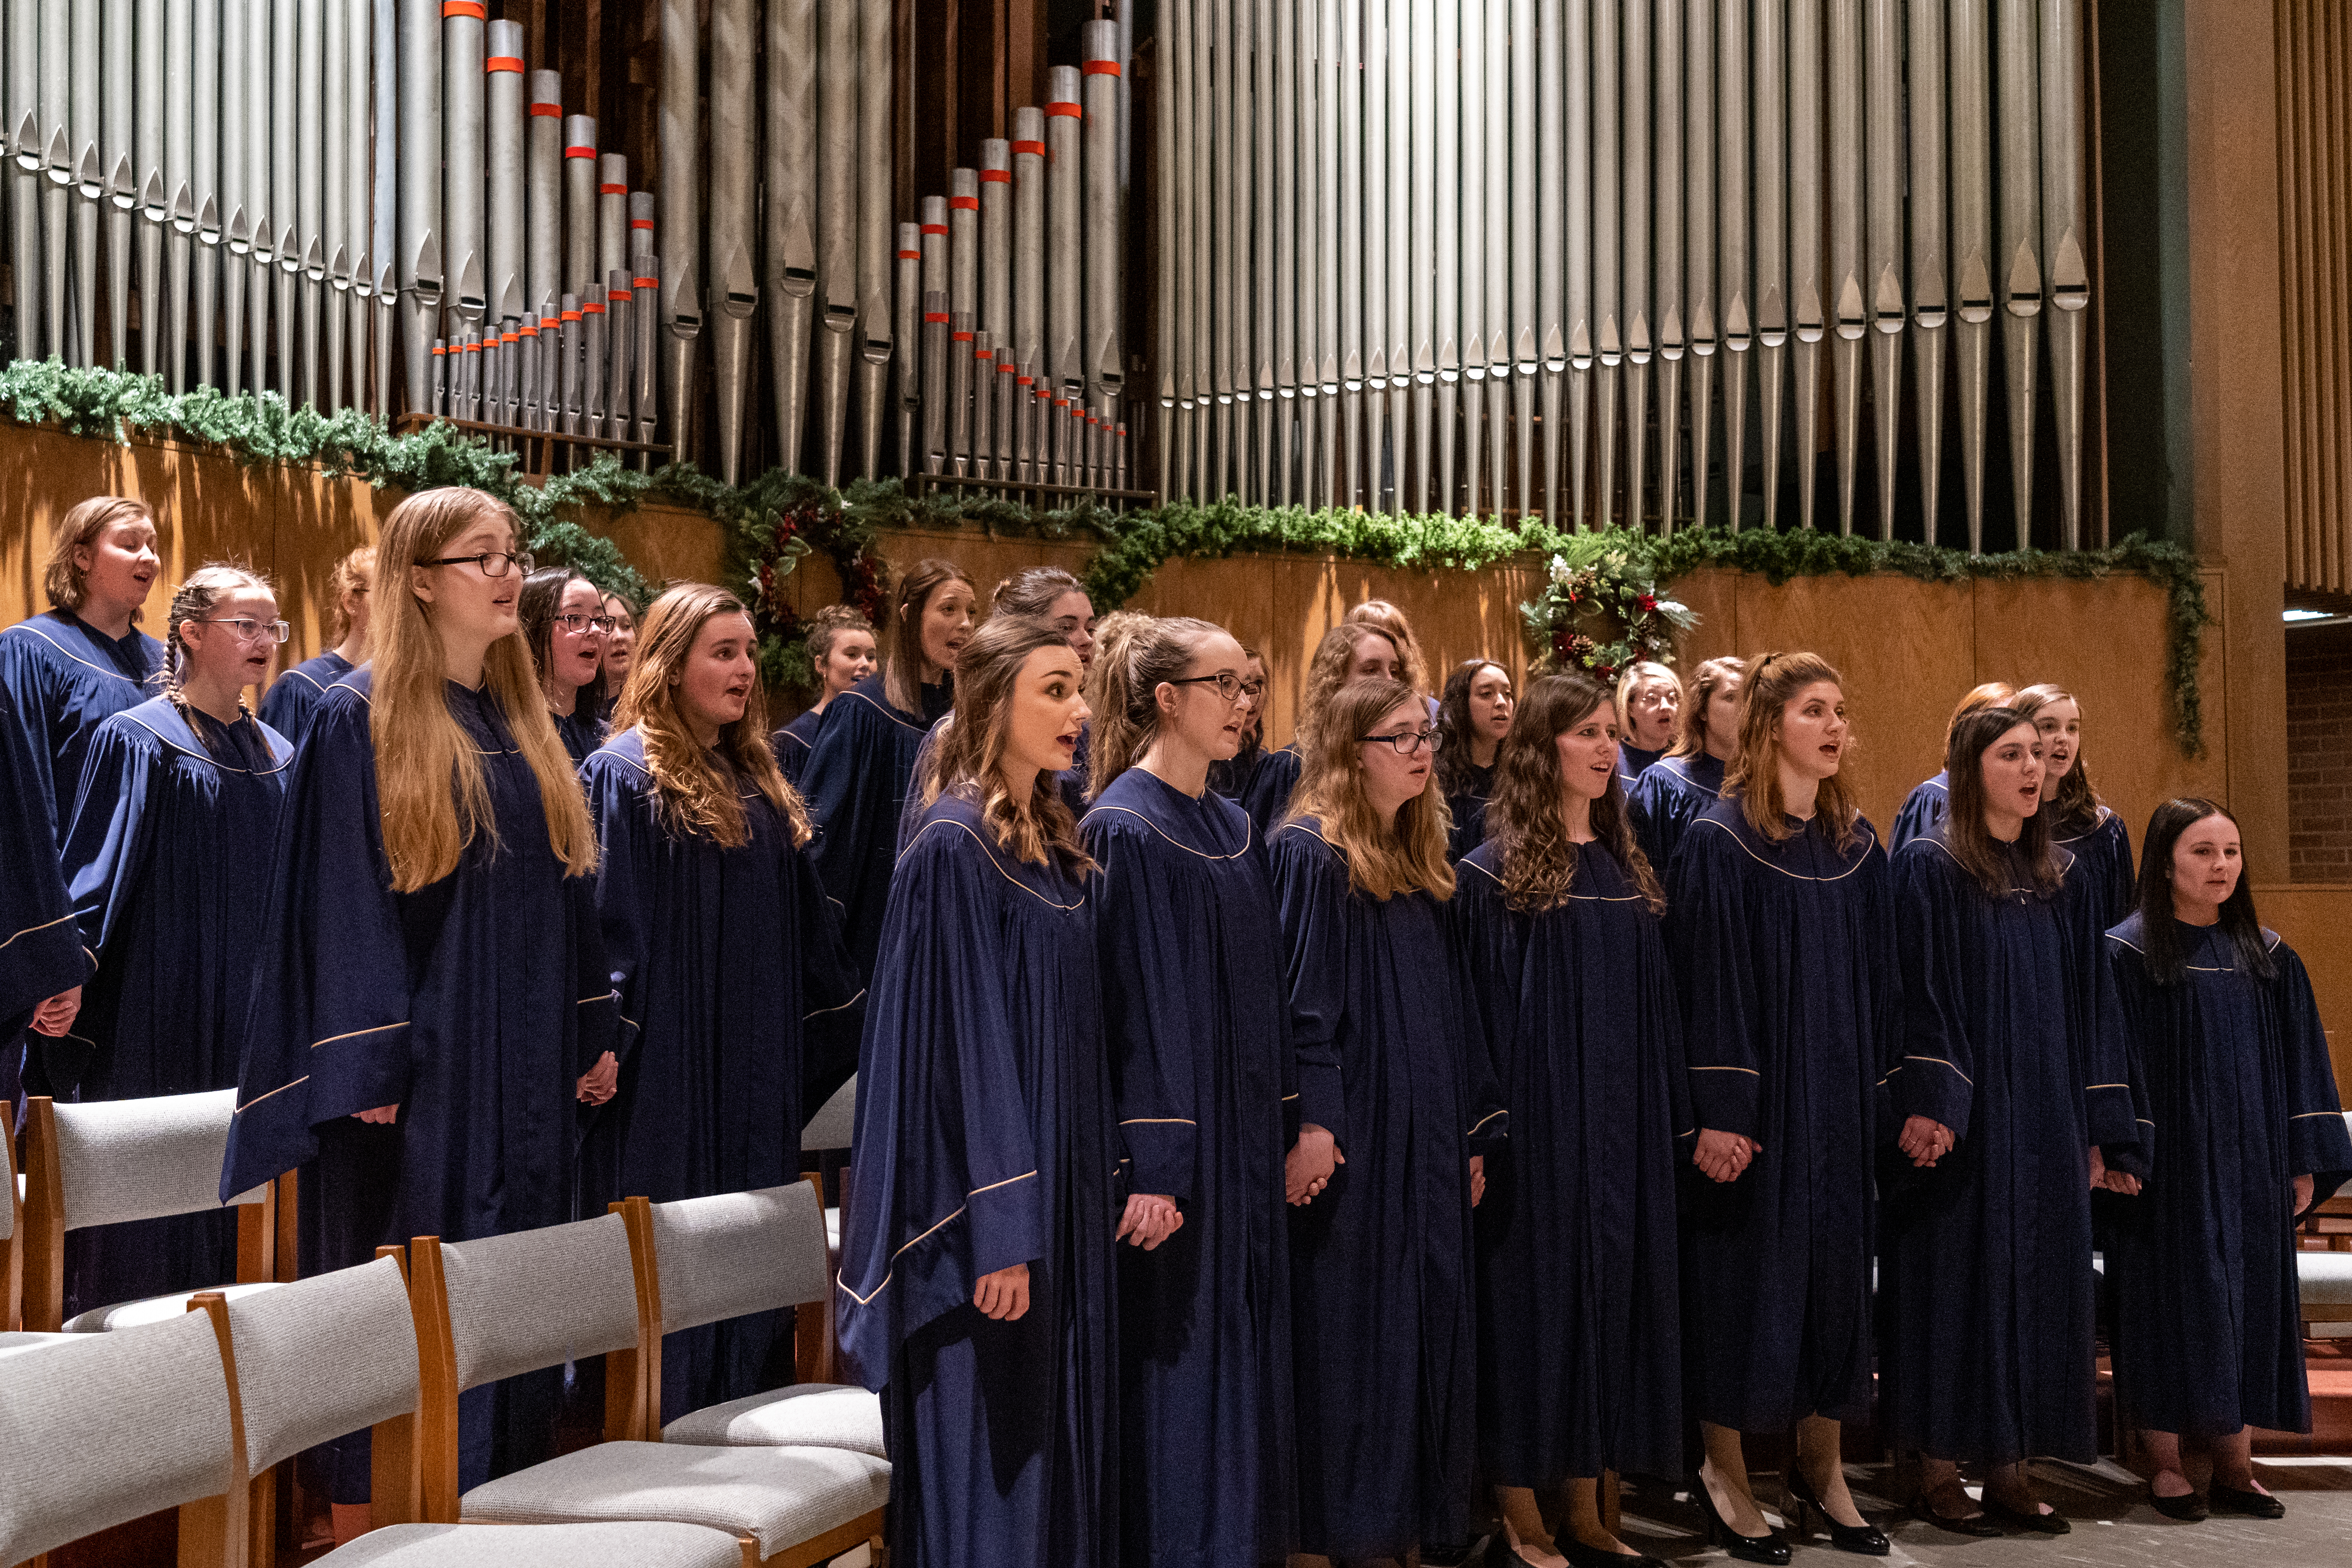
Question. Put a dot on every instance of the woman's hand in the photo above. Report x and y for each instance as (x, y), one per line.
(2112, 1181)
(597, 1084)
(1927, 1140)
(1003, 1295)
(382, 1115)
(1478, 1179)
(1151, 1219)
(1722, 1157)
(1307, 1169)
(55, 1015)
(2303, 1189)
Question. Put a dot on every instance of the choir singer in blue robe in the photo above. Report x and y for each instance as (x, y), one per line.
(432, 1005)
(1398, 1110)
(2248, 1135)
(1579, 1354)
(2080, 823)
(841, 648)
(1197, 1026)
(42, 962)
(1929, 798)
(167, 862)
(1778, 920)
(1673, 791)
(720, 944)
(294, 696)
(978, 1292)
(1473, 713)
(2011, 1100)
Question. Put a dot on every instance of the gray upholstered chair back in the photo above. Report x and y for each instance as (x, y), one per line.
(835, 1125)
(120, 1160)
(108, 1428)
(322, 1357)
(537, 1298)
(739, 1252)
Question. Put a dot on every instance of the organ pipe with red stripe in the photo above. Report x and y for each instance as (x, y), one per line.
(464, 222)
(543, 190)
(579, 205)
(1065, 258)
(1028, 280)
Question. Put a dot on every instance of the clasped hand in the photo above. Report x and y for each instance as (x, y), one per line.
(1724, 1156)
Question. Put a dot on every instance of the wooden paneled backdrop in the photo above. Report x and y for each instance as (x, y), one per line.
(1907, 650)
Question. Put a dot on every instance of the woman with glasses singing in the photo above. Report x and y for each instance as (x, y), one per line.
(166, 861)
(1580, 1369)
(432, 1006)
(1396, 1109)
(563, 620)
(1196, 1025)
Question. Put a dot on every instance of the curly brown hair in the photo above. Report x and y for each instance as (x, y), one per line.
(1535, 856)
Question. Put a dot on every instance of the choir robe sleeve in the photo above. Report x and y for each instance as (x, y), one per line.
(107, 844)
(947, 1189)
(1310, 890)
(1148, 1022)
(24, 677)
(627, 863)
(829, 979)
(326, 1036)
(1935, 1070)
(1488, 948)
(2318, 1144)
(2116, 1110)
(41, 951)
(1709, 931)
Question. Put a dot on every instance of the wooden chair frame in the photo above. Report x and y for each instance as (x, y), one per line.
(42, 1228)
(12, 1265)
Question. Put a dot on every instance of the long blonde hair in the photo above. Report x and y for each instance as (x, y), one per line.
(692, 793)
(1753, 773)
(429, 781)
(969, 750)
(1384, 858)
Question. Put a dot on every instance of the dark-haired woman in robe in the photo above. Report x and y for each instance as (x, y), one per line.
(1556, 914)
(977, 1290)
(841, 647)
(721, 942)
(1396, 1109)
(1925, 804)
(1473, 715)
(83, 661)
(2248, 1136)
(1778, 920)
(1196, 1023)
(2080, 823)
(1650, 701)
(42, 963)
(432, 1004)
(167, 866)
(294, 695)
(563, 620)
(1673, 791)
(2011, 1099)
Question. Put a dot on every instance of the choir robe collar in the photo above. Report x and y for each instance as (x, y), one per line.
(1700, 774)
(1208, 824)
(1635, 761)
(134, 656)
(168, 722)
(958, 812)
(1810, 851)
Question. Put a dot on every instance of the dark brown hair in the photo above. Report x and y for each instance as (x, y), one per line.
(1754, 770)
(2160, 929)
(1710, 678)
(902, 641)
(1965, 833)
(1453, 763)
(2077, 799)
(1536, 858)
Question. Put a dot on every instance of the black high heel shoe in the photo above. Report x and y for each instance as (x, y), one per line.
(1580, 1555)
(1864, 1540)
(2187, 1508)
(1768, 1548)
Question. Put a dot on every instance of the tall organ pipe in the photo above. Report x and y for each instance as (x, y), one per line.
(789, 258)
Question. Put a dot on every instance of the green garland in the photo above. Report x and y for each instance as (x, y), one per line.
(1603, 606)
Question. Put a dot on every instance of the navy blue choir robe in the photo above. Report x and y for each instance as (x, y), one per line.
(1632, 762)
(1197, 1025)
(1580, 1349)
(1467, 806)
(41, 954)
(581, 731)
(1922, 809)
(167, 863)
(1261, 786)
(794, 743)
(856, 782)
(2208, 1335)
(474, 1004)
(1669, 797)
(716, 954)
(1985, 1280)
(1783, 953)
(65, 678)
(2103, 872)
(983, 1140)
(1383, 1335)
(294, 696)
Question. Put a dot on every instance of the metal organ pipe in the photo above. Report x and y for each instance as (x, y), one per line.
(877, 325)
(789, 106)
(836, 229)
(734, 272)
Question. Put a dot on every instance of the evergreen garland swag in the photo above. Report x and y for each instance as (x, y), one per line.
(1603, 607)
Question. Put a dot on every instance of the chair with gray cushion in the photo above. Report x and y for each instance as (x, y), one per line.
(323, 1357)
(828, 1137)
(12, 1227)
(718, 1258)
(508, 1305)
(111, 1162)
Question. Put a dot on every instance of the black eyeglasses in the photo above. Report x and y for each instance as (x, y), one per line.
(1230, 687)
(493, 563)
(1406, 742)
(576, 623)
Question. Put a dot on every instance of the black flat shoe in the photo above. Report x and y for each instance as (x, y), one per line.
(2253, 1505)
(2187, 1507)
(1864, 1540)
(1580, 1555)
(1976, 1525)
(2050, 1523)
(1768, 1548)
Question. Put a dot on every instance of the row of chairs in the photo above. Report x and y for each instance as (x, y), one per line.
(194, 1410)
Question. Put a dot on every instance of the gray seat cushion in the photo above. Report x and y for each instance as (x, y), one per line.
(152, 1309)
(13, 1344)
(778, 1497)
(806, 1416)
(2325, 1278)
(539, 1546)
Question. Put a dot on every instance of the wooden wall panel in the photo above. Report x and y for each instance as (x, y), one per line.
(2316, 922)
(2314, 192)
